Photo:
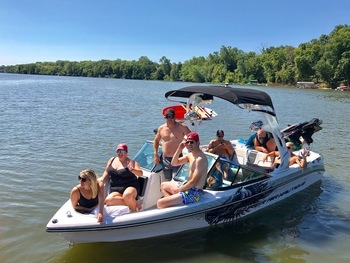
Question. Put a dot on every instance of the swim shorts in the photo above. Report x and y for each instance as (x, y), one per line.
(169, 170)
(191, 196)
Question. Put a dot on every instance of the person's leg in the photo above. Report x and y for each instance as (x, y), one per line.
(167, 188)
(167, 168)
(169, 201)
(129, 197)
(114, 198)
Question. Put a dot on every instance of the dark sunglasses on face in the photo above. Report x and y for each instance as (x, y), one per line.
(169, 116)
(220, 136)
(189, 142)
(83, 179)
(289, 147)
(121, 151)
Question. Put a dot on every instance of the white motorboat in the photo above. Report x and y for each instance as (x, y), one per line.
(251, 185)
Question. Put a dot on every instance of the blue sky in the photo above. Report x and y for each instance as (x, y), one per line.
(76, 30)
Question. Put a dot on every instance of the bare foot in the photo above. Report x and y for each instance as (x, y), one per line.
(138, 206)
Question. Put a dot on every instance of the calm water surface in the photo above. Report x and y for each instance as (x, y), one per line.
(53, 127)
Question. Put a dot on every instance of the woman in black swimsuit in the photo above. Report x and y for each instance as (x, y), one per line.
(86, 196)
(122, 173)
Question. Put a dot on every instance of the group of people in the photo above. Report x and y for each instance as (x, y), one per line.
(122, 171)
(264, 142)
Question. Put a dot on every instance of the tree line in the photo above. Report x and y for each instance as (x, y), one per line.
(324, 60)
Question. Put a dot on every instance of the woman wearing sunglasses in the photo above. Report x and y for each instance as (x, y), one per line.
(87, 195)
(122, 172)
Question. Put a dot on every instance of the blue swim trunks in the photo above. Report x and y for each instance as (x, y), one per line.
(191, 196)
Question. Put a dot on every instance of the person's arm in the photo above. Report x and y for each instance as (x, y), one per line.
(186, 130)
(271, 145)
(229, 148)
(135, 168)
(303, 162)
(258, 147)
(156, 142)
(270, 154)
(211, 147)
(177, 160)
(101, 200)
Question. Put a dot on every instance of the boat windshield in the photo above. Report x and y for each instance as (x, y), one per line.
(145, 157)
(182, 174)
(226, 174)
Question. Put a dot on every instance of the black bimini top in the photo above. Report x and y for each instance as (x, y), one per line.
(234, 95)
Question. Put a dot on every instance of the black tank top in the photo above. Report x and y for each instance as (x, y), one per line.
(87, 203)
(121, 177)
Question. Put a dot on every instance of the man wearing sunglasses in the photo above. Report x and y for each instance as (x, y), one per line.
(170, 134)
(176, 193)
(220, 146)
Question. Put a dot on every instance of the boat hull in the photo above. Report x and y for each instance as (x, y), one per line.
(216, 208)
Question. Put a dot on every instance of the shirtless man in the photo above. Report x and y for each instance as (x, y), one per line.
(171, 133)
(176, 193)
(220, 146)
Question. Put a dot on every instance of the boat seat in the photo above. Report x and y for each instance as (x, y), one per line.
(143, 183)
(255, 158)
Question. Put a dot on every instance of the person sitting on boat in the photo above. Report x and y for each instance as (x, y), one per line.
(300, 160)
(223, 148)
(192, 190)
(122, 173)
(264, 142)
(171, 133)
(86, 196)
(220, 146)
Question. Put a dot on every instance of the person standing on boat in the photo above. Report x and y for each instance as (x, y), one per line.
(192, 190)
(122, 173)
(171, 134)
(89, 194)
(264, 142)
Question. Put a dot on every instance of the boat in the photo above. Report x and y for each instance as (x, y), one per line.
(181, 110)
(343, 88)
(250, 186)
(306, 85)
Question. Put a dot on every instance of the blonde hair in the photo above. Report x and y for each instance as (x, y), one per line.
(92, 176)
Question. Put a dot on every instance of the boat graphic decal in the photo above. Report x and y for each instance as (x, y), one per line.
(234, 206)
(246, 199)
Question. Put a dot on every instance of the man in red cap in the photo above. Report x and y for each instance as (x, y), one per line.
(171, 134)
(192, 190)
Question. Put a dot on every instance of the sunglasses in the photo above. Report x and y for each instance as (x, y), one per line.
(169, 116)
(121, 151)
(220, 136)
(83, 179)
(189, 142)
(289, 147)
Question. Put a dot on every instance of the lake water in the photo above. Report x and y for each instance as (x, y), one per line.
(53, 127)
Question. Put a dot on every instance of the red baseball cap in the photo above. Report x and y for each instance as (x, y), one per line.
(192, 136)
(122, 146)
